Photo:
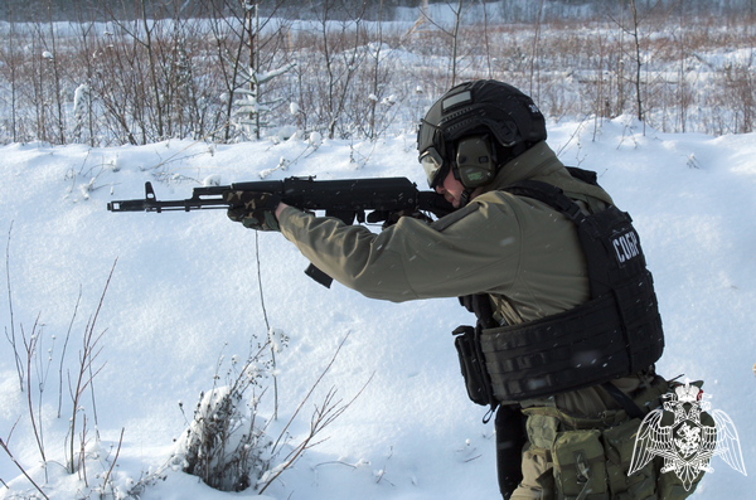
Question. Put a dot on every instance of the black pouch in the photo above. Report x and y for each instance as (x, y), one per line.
(473, 365)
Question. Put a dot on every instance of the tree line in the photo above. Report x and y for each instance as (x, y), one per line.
(230, 70)
(389, 10)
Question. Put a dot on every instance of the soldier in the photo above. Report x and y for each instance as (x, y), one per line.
(567, 329)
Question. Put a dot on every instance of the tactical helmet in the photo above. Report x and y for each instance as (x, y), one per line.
(474, 129)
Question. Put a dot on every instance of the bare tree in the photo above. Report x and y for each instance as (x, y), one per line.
(340, 49)
(487, 42)
(635, 55)
(534, 79)
(152, 65)
(84, 115)
(453, 34)
(637, 60)
(243, 56)
(9, 68)
(684, 95)
(55, 64)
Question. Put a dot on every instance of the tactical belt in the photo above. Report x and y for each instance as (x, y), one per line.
(616, 333)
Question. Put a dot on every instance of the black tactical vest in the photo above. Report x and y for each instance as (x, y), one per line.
(618, 332)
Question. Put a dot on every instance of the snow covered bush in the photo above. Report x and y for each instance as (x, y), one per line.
(225, 444)
(81, 109)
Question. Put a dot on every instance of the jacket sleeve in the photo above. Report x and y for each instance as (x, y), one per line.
(472, 250)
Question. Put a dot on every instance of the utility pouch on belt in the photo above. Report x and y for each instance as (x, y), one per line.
(466, 340)
(593, 464)
(579, 465)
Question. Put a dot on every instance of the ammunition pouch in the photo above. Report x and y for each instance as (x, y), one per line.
(593, 464)
(592, 457)
(472, 364)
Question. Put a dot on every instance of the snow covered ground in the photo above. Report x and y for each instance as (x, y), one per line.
(185, 292)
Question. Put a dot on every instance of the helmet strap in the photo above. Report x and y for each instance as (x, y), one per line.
(467, 193)
(465, 198)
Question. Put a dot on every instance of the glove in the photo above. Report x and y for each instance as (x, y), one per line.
(254, 210)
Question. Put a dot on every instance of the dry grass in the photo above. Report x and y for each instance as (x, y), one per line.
(696, 75)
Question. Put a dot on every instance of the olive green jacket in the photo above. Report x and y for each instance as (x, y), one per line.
(518, 249)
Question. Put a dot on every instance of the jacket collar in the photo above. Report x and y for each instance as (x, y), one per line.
(538, 161)
(541, 163)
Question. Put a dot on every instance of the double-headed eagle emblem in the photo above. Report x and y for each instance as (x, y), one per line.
(687, 445)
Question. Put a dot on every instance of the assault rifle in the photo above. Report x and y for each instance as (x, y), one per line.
(346, 199)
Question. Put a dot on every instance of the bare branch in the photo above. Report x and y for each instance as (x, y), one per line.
(115, 459)
(12, 337)
(21, 468)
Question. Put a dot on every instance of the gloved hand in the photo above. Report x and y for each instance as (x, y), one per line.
(253, 209)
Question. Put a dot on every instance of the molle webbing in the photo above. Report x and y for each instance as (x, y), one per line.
(617, 333)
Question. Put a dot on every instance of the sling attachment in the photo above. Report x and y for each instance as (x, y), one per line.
(625, 401)
(480, 305)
